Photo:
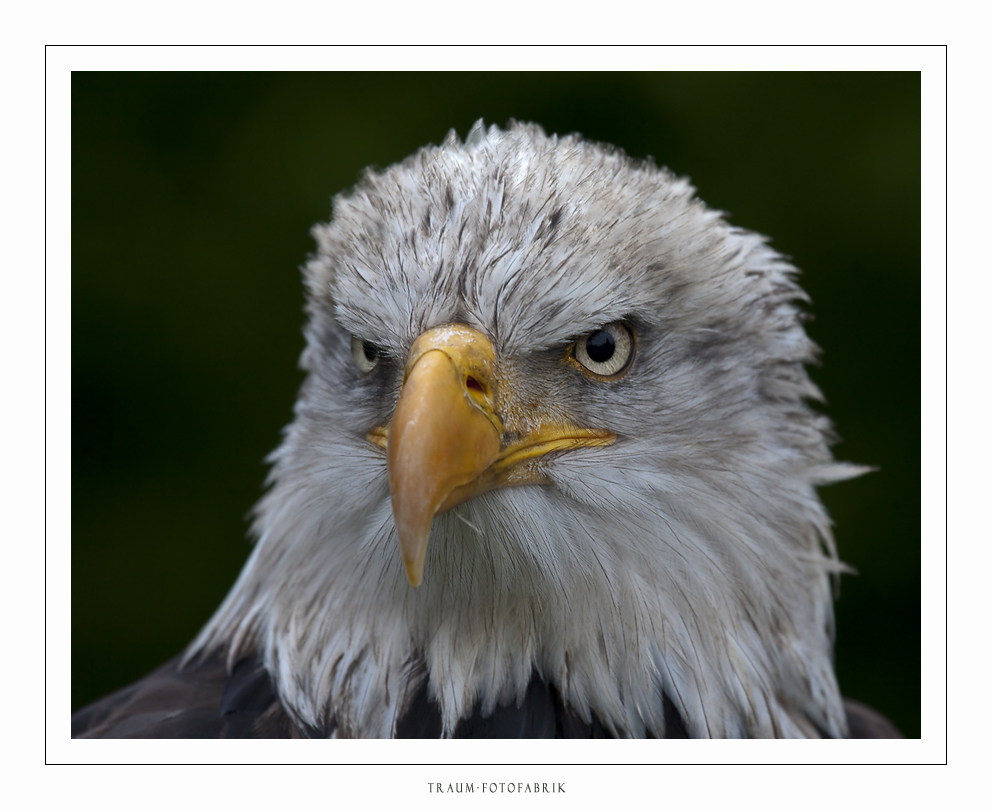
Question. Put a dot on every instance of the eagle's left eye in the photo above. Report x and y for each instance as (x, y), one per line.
(607, 351)
(365, 354)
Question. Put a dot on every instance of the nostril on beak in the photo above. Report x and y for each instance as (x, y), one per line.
(473, 384)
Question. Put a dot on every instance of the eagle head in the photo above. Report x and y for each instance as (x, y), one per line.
(555, 427)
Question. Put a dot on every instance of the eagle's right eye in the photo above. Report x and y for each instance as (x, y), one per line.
(366, 354)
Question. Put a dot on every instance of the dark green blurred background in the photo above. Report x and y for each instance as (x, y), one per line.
(192, 198)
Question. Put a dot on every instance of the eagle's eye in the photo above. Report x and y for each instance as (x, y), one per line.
(366, 354)
(606, 352)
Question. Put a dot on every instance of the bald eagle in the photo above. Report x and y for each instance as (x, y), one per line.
(552, 474)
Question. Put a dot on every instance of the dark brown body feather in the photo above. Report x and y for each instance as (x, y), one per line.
(204, 701)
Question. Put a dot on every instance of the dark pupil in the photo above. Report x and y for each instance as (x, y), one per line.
(600, 346)
(370, 351)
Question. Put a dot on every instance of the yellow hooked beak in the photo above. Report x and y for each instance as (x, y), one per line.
(447, 441)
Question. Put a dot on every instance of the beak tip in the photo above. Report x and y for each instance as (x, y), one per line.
(414, 576)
